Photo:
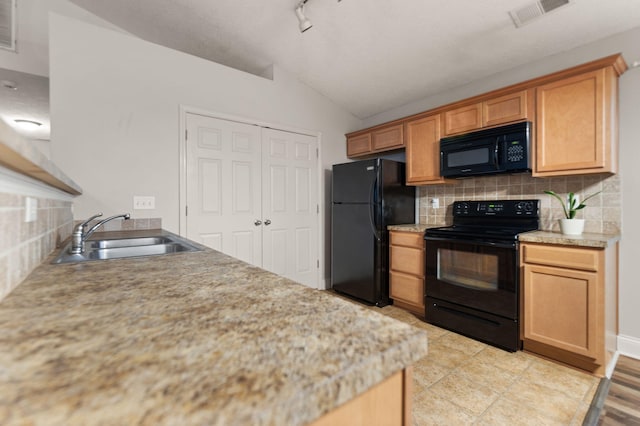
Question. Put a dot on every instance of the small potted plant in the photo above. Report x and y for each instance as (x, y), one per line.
(570, 225)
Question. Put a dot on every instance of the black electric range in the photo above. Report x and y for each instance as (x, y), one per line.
(471, 274)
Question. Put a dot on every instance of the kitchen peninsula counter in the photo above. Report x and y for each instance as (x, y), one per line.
(187, 338)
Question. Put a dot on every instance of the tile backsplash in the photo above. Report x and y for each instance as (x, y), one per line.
(24, 245)
(603, 213)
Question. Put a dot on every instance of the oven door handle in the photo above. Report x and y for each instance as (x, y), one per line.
(472, 242)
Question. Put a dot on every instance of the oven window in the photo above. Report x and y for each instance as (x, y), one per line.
(468, 157)
(468, 269)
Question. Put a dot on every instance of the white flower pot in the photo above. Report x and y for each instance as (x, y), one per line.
(572, 226)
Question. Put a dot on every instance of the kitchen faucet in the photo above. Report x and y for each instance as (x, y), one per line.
(78, 237)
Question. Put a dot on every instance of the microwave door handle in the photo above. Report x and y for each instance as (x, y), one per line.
(495, 151)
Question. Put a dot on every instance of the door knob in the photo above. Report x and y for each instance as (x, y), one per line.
(267, 222)
(258, 222)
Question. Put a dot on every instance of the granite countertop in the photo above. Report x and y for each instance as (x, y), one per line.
(411, 227)
(584, 240)
(187, 338)
(546, 237)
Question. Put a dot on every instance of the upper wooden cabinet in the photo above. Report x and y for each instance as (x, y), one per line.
(576, 125)
(423, 150)
(358, 145)
(503, 109)
(508, 108)
(574, 114)
(463, 119)
(377, 140)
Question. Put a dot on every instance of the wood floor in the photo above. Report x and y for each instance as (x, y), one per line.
(622, 405)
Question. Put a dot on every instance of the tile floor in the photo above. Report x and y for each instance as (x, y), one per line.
(465, 382)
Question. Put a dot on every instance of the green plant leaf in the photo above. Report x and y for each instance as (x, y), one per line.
(562, 202)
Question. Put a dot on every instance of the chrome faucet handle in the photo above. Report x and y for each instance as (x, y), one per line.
(125, 216)
(83, 224)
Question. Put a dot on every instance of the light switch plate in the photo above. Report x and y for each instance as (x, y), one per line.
(144, 202)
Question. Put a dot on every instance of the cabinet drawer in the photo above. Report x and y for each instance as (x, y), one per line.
(563, 257)
(407, 288)
(408, 260)
(410, 239)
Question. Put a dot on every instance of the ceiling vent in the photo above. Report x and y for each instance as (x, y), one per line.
(8, 24)
(535, 10)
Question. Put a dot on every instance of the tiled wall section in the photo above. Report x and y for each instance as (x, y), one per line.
(24, 245)
(602, 215)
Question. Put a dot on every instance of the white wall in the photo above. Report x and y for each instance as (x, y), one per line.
(629, 127)
(32, 34)
(115, 111)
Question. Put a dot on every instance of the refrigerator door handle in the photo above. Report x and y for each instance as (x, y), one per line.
(372, 212)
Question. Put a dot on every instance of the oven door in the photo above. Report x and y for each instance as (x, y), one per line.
(476, 274)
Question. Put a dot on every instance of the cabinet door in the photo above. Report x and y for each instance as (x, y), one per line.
(423, 151)
(387, 138)
(359, 145)
(561, 308)
(463, 119)
(506, 109)
(573, 125)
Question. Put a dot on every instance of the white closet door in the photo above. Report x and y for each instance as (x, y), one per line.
(289, 205)
(224, 186)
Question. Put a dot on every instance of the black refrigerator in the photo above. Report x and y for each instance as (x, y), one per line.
(367, 196)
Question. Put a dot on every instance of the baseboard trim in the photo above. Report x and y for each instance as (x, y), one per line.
(629, 346)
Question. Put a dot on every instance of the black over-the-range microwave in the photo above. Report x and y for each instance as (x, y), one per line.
(502, 149)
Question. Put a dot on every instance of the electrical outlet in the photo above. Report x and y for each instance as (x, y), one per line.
(435, 203)
(31, 209)
(144, 202)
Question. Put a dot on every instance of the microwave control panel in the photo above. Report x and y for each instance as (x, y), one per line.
(515, 151)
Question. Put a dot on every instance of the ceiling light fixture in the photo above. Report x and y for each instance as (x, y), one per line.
(27, 124)
(304, 23)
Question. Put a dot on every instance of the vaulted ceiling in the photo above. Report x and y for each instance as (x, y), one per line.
(369, 55)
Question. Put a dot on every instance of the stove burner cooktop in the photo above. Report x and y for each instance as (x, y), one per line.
(491, 220)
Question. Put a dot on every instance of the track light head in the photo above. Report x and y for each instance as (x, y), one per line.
(304, 23)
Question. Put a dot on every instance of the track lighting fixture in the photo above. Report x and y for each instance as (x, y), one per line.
(304, 23)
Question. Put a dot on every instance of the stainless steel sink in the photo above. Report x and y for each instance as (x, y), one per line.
(127, 242)
(117, 248)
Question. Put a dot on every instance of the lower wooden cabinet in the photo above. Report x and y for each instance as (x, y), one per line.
(569, 303)
(406, 270)
(386, 404)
